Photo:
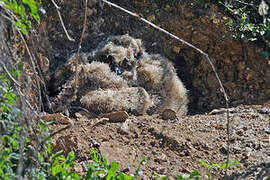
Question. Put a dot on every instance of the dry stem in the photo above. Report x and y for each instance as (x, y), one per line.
(61, 20)
(9, 75)
(79, 47)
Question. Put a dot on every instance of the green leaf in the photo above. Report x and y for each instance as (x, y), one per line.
(56, 169)
(216, 165)
(230, 164)
(33, 5)
(113, 168)
(204, 164)
(122, 176)
(195, 174)
(85, 166)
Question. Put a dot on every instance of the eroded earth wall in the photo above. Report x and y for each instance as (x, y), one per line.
(241, 67)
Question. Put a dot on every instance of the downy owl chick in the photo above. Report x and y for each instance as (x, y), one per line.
(120, 76)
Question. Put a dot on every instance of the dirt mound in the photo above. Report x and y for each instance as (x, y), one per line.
(175, 147)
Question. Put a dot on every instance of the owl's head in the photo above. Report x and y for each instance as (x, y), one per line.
(122, 53)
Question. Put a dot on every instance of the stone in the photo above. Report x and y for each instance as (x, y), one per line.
(124, 129)
(168, 114)
(240, 132)
(119, 116)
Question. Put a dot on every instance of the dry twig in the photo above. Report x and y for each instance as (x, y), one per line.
(9, 75)
(34, 69)
(79, 47)
(192, 46)
(61, 20)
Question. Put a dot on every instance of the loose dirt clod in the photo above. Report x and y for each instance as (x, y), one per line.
(115, 117)
(168, 114)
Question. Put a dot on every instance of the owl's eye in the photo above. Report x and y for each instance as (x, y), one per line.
(125, 64)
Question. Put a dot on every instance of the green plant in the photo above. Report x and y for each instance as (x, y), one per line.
(194, 175)
(53, 165)
(246, 23)
(216, 168)
(22, 12)
(99, 169)
(11, 148)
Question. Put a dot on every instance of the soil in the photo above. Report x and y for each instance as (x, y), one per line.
(174, 147)
(170, 147)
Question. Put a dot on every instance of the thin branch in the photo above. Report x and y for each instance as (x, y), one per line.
(18, 86)
(57, 132)
(9, 75)
(33, 66)
(12, 15)
(56, 6)
(61, 20)
(197, 49)
(79, 47)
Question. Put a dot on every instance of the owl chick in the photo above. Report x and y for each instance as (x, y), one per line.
(120, 76)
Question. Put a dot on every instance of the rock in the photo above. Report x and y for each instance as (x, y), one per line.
(94, 144)
(119, 116)
(124, 129)
(266, 130)
(161, 170)
(240, 132)
(161, 158)
(223, 150)
(168, 114)
(236, 149)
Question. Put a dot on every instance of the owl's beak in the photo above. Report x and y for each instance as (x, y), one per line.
(117, 70)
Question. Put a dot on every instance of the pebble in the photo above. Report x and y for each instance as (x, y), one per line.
(124, 129)
(266, 130)
(119, 116)
(223, 150)
(240, 132)
(168, 114)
